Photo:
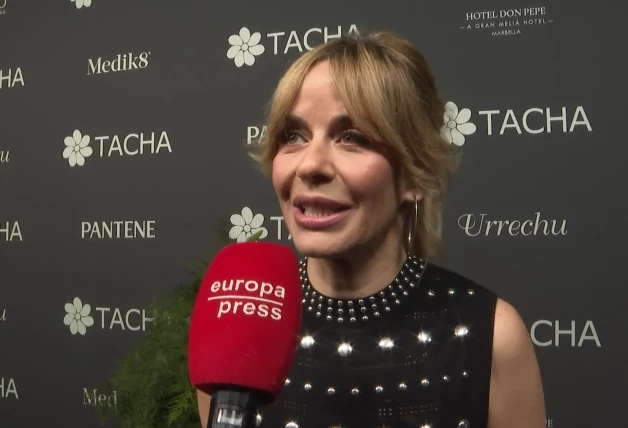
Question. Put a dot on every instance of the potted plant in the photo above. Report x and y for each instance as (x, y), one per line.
(151, 383)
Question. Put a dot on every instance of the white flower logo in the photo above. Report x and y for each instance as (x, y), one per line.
(82, 3)
(457, 124)
(247, 225)
(77, 148)
(78, 317)
(245, 47)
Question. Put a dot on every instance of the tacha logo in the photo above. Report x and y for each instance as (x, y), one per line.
(548, 333)
(10, 78)
(4, 156)
(77, 148)
(8, 388)
(3, 6)
(82, 3)
(246, 224)
(459, 123)
(247, 45)
(10, 231)
(3, 315)
(79, 317)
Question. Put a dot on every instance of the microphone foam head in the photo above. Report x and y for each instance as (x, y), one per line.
(246, 319)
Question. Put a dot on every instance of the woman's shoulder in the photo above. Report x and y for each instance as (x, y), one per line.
(451, 283)
(478, 304)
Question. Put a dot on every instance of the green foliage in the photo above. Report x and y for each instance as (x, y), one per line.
(152, 382)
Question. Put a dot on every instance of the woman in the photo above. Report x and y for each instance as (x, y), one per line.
(360, 168)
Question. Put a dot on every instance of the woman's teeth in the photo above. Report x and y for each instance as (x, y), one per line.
(318, 212)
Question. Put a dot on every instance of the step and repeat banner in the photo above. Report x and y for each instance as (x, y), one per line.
(124, 127)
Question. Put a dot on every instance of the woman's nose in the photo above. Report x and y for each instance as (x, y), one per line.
(316, 163)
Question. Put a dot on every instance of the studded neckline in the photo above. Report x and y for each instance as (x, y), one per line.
(366, 308)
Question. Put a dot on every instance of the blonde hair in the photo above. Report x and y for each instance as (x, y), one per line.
(390, 94)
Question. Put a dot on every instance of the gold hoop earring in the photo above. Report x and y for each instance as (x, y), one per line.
(414, 221)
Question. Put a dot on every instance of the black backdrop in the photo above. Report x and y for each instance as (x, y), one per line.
(147, 101)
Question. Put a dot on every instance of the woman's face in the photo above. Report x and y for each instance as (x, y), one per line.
(336, 193)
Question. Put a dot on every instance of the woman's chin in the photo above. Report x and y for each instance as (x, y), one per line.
(319, 247)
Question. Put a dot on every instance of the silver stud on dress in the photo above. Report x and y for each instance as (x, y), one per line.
(355, 391)
(307, 342)
(424, 337)
(369, 307)
(403, 387)
(425, 382)
(307, 387)
(292, 425)
(258, 420)
(462, 330)
(386, 343)
(287, 382)
(345, 350)
(331, 391)
(464, 424)
(379, 389)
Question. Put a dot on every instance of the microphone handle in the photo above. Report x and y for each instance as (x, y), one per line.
(234, 408)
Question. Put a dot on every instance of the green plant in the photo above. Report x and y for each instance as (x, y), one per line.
(151, 383)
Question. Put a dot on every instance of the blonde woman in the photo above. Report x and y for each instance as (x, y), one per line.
(389, 339)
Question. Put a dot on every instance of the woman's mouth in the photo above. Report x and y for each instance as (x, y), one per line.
(313, 211)
(318, 218)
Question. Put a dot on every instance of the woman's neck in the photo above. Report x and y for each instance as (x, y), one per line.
(356, 276)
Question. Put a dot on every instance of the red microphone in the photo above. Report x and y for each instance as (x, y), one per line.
(244, 330)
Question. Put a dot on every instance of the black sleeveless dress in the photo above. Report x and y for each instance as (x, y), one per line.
(416, 354)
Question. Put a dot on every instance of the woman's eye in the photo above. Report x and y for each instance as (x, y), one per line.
(290, 136)
(352, 137)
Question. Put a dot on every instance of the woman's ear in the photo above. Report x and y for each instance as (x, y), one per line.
(413, 194)
(409, 189)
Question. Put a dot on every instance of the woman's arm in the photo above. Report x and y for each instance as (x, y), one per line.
(516, 395)
(204, 400)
